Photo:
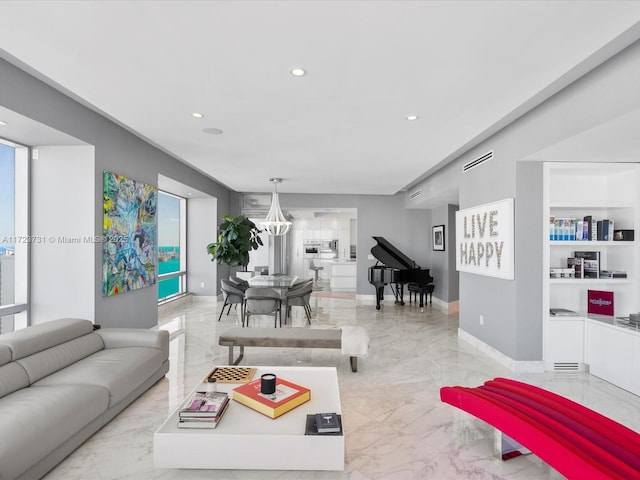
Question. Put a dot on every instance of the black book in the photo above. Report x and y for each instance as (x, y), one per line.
(591, 264)
(327, 422)
(599, 234)
(589, 219)
(312, 429)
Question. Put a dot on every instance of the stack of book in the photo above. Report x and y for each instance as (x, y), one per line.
(203, 410)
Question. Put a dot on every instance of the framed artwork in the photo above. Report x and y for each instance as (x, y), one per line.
(485, 239)
(437, 237)
(129, 243)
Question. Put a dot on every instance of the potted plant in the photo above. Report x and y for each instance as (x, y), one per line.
(237, 236)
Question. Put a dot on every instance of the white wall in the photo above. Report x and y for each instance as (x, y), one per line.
(62, 264)
(201, 231)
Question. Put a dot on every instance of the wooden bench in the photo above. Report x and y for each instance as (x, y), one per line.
(576, 441)
(294, 337)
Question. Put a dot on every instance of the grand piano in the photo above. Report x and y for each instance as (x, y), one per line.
(396, 270)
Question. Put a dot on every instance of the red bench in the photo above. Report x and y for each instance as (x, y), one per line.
(576, 441)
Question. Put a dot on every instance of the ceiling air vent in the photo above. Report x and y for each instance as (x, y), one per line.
(478, 161)
(415, 194)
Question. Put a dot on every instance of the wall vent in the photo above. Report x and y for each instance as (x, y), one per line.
(478, 161)
(566, 367)
(415, 194)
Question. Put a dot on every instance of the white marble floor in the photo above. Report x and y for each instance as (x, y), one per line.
(396, 427)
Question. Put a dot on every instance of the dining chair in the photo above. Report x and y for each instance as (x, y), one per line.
(301, 282)
(238, 283)
(299, 297)
(262, 301)
(232, 296)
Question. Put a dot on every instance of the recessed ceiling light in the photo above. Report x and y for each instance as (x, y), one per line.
(212, 131)
(197, 115)
(298, 72)
(412, 117)
(3, 123)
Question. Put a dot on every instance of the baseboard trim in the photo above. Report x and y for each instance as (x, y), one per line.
(516, 366)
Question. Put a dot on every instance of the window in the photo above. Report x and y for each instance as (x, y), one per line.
(172, 279)
(14, 238)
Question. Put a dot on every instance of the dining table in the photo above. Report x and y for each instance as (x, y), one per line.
(279, 283)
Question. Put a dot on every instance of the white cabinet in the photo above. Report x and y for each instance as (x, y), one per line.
(343, 277)
(565, 341)
(604, 191)
(613, 354)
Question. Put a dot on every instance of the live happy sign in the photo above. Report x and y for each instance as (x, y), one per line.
(485, 239)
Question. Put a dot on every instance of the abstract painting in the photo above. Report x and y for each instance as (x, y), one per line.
(129, 242)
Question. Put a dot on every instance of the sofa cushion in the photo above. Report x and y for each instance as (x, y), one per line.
(12, 378)
(119, 370)
(37, 338)
(34, 421)
(49, 361)
(5, 355)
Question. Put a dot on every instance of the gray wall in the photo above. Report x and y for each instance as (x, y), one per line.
(443, 263)
(116, 150)
(512, 309)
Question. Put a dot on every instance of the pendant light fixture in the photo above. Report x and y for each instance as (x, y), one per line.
(276, 224)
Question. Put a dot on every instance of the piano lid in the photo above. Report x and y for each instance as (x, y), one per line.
(390, 256)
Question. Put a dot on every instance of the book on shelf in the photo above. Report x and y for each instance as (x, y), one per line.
(311, 426)
(562, 312)
(577, 263)
(203, 422)
(564, 229)
(204, 405)
(605, 230)
(591, 264)
(575, 229)
(288, 396)
(613, 274)
(590, 227)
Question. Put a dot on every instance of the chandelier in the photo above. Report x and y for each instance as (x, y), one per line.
(276, 224)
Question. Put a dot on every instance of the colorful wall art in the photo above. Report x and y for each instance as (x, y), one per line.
(129, 243)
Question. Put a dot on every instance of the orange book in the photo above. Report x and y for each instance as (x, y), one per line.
(287, 397)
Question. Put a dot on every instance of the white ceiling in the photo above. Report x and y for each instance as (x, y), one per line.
(462, 67)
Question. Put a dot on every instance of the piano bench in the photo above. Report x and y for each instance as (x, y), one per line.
(351, 340)
(415, 289)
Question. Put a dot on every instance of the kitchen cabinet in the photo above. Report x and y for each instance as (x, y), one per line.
(343, 277)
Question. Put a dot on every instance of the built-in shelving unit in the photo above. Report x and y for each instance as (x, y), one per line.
(604, 191)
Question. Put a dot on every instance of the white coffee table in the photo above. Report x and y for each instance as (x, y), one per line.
(248, 440)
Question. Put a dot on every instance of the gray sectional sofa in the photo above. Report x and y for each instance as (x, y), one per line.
(61, 381)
